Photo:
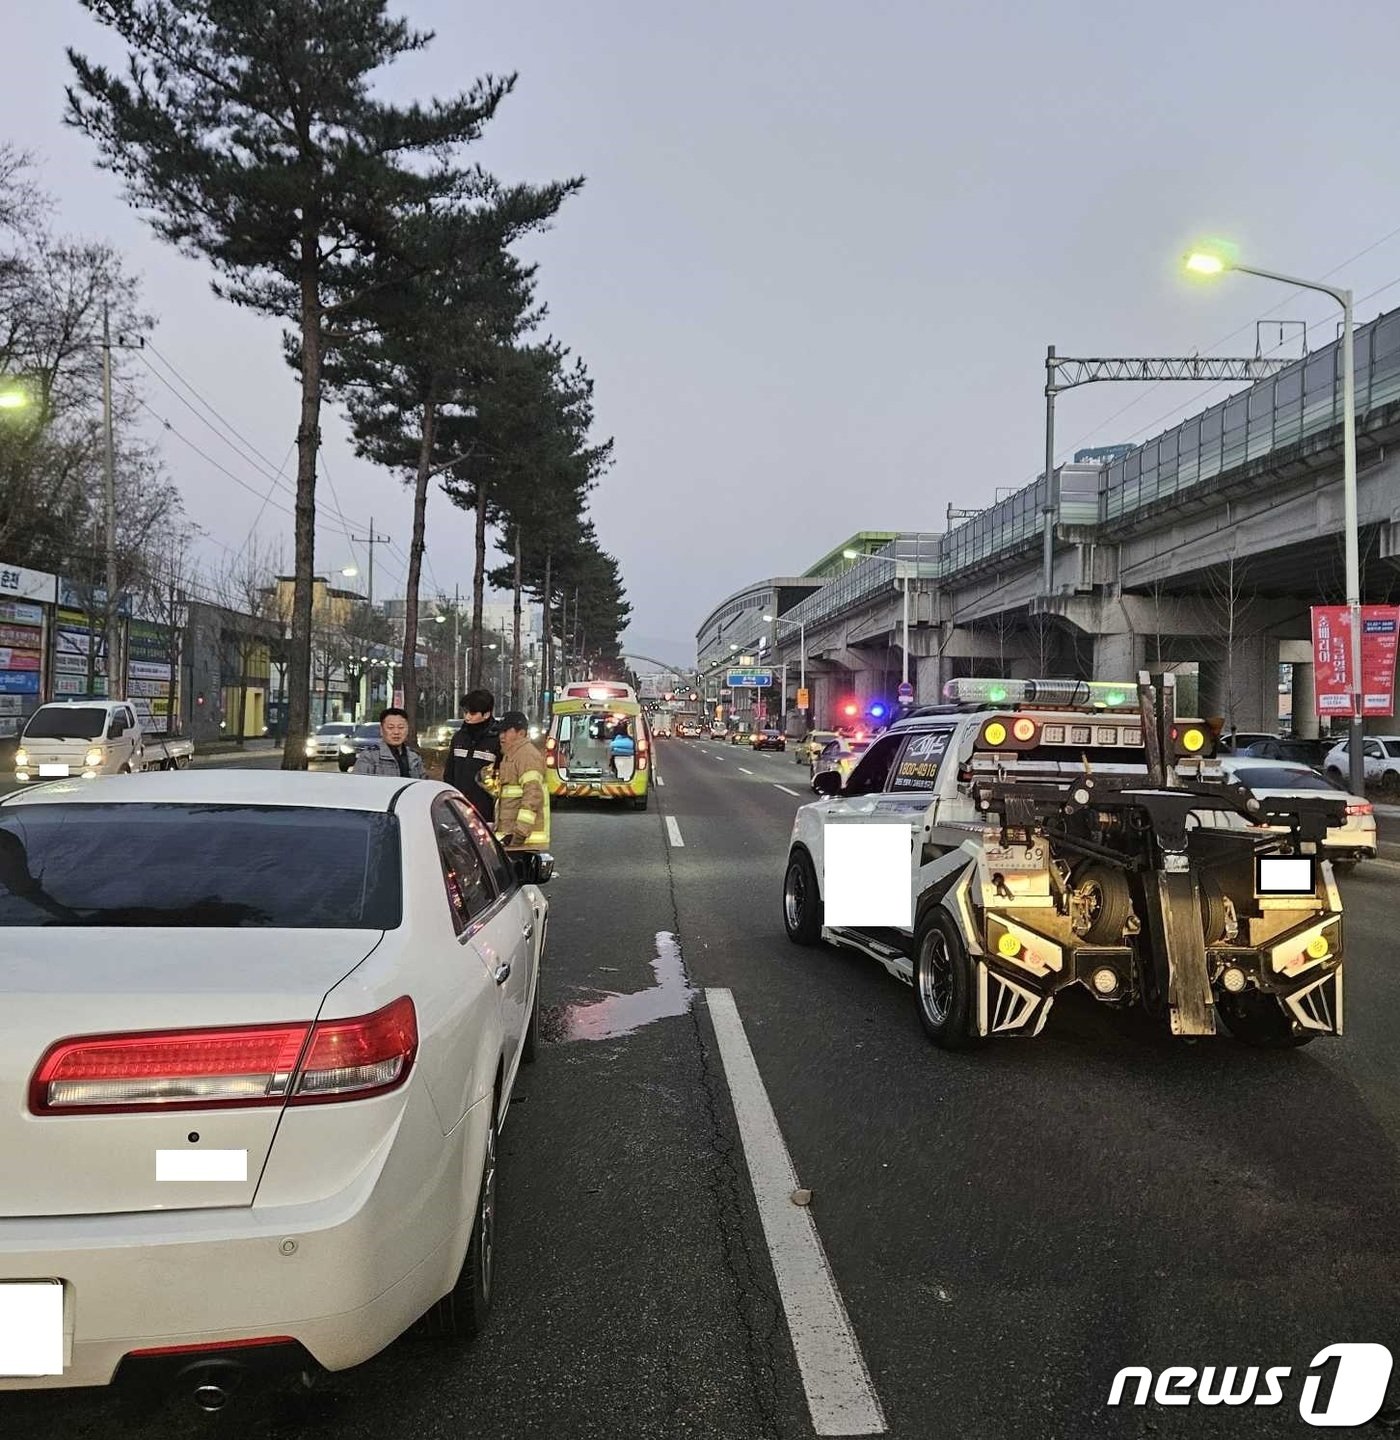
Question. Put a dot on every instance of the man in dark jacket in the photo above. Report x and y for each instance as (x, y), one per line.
(475, 746)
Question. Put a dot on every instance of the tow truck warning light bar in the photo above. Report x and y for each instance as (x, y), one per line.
(1061, 694)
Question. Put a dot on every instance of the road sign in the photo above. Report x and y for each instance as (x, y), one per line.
(906, 693)
(803, 698)
(749, 678)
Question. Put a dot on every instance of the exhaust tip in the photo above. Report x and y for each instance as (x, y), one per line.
(211, 1397)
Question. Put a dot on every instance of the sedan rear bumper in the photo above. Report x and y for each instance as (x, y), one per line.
(343, 1275)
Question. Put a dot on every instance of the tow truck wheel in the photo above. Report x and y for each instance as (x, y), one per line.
(802, 901)
(944, 989)
(1261, 1021)
(1107, 902)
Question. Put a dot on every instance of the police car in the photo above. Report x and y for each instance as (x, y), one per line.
(1055, 838)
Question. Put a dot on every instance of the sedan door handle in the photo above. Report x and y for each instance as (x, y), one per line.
(502, 972)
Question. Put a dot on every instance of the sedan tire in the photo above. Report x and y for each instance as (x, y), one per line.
(461, 1313)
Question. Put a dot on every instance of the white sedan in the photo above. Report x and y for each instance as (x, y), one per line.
(1346, 844)
(260, 1035)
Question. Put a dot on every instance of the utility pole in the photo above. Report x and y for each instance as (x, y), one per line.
(371, 541)
(115, 689)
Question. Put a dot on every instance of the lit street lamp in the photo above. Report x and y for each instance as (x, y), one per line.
(1215, 259)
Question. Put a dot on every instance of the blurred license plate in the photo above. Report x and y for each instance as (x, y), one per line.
(31, 1327)
(1014, 857)
(61, 771)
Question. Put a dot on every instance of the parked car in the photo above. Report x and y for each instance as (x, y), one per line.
(1346, 844)
(840, 755)
(1311, 753)
(324, 743)
(769, 739)
(67, 739)
(1235, 742)
(811, 745)
(322, 1043)
(1379, 753)
(350, 745)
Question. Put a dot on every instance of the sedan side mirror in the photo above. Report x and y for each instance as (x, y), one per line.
(533, 867)
(828, 782)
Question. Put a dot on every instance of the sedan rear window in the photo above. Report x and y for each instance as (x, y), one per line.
(1281, 777)
(199, 866)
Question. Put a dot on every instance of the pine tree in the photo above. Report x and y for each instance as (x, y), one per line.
(250, 136)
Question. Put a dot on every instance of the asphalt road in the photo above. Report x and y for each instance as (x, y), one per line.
(1005, 1229)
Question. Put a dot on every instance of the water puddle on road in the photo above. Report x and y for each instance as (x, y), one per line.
(616, 1015)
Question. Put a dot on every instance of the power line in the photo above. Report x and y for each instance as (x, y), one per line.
(323, 515)
(1224, 339)
(227, 424)
(1197, 399)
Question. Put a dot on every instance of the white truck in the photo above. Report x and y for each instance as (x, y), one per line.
(67, 739)
(1056, 833)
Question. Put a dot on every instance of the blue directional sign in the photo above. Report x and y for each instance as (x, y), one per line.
(749, 678)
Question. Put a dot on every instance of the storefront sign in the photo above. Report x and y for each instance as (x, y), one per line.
(19, 682)
(147, 670)
(21, 614)
(21, 637)
(17, 583)
(77, 685)
(11, 659)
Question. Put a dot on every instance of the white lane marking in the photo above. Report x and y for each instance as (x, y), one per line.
(840, 1394)
(673, 832)
(742, 771)
(785, 790)
(659, 780)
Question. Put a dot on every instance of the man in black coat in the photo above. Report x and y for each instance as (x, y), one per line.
(475, 746)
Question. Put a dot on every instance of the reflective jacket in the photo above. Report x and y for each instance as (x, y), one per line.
(522, 808)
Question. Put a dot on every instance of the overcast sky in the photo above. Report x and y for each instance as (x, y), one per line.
(822, 248)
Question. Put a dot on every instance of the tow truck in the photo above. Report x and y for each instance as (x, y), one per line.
(1056, 840)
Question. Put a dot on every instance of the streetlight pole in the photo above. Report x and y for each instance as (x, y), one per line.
(1212, 263)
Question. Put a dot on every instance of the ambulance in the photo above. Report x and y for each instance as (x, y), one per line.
(577, 754)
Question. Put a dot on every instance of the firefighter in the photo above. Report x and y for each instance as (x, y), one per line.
(522, 808)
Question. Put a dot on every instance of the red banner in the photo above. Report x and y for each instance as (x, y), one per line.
(1380, 629)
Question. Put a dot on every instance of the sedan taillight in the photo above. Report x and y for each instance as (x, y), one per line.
(1359, 807)
(230, 1067)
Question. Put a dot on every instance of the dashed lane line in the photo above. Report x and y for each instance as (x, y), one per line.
(742, 771)
(785, 790)
(673, 833)
(840, 1394)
